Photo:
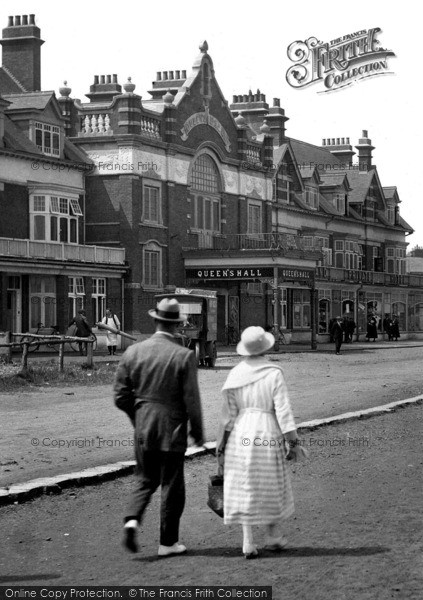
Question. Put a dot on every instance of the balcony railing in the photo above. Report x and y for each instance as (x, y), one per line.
(369, 277)
(61, 251)
(249, 241)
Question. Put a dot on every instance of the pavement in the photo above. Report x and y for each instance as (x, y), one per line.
(356, 532)
(229, 351)
(27, 489)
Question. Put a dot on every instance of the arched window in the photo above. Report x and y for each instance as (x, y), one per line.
(152, 265)
(205, 192)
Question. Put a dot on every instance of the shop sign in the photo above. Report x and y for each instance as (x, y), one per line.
(295, 274)
(242, 273)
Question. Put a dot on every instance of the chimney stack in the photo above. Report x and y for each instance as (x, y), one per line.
(365, 148)
(22, 51)
(341, 148)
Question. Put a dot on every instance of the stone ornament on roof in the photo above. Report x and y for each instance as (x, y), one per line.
(240, 120)
(168, 98)
(65, 91)
(265, 127)
(204, 47)
(129, 87)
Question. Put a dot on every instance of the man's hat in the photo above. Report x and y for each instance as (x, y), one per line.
(167, 310)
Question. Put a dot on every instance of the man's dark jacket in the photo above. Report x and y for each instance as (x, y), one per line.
(82, 327)
(156, 385)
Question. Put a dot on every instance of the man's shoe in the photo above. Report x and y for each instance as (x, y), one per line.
(130, 536)
(177, 548)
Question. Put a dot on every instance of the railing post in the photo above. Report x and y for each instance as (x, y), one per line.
(24, 361)
(90, 354)
(8, 340)
(61, 353)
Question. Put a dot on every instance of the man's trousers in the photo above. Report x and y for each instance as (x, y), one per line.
(166, 469)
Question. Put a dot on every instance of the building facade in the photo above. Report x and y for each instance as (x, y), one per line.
(47, 270)
(205, 194)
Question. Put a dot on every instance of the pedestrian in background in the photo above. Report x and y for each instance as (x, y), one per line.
(83, 329)
(337, 333)
(350, 327)
(255, 412)
(156, 385)
(395, 333)
(387, 326)
(371, 328)
(111, 338)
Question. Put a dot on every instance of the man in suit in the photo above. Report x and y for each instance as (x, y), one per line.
(156, 385)
(337, 333)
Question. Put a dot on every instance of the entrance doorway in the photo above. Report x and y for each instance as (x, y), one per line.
(14, 304)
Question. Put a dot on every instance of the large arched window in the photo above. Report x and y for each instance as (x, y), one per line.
(205, 194)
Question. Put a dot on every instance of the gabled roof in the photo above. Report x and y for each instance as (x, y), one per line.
(335, 179)
(29, 100)
(14, 139)
(327, 206)
(310, 155)
(74, 153)
(405, 225)
(360, 183)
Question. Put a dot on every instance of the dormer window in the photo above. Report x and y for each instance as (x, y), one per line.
(311, 195)
(47, 138)
(390, 213)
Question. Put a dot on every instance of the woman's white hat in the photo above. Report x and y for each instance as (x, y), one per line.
(254, 340)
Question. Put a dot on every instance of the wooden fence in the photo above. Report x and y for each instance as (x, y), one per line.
(35, 339)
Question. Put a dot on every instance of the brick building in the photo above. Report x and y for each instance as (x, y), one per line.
(205, 194)
(47, 270)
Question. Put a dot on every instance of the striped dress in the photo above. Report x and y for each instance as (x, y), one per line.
(256, 410)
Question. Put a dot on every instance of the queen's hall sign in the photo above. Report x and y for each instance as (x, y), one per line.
(232, 273)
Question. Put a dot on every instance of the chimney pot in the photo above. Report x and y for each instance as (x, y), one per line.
(348, 140)
(338, 141)
(342, 141)
(365, 133)
(234, 99)
(177, 74)
(276, 102)
(95, 79)
(115, 80)
(24, 19)
(109, 79)
(245, 98)
(263, 97)
(10, 23)
(184, 74)
(102, 79)
(32, 19)
(333, 141)
(17, 20)
(159, 76)
(171, 75)
(165, 75)
(323, 142)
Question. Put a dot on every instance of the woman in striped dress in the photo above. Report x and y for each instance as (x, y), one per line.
(257, 427)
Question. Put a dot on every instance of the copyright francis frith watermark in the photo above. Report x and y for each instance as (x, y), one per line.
(339, 62)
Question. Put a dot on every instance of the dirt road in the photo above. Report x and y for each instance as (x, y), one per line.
(356, 532)
(53, 431)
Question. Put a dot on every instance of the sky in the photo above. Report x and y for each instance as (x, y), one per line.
(249, 51)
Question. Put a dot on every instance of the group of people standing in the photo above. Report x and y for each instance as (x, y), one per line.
(156, 386)
(341, 329)
(82, 329)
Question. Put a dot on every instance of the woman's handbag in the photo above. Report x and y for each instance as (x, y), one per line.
(215, 494)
